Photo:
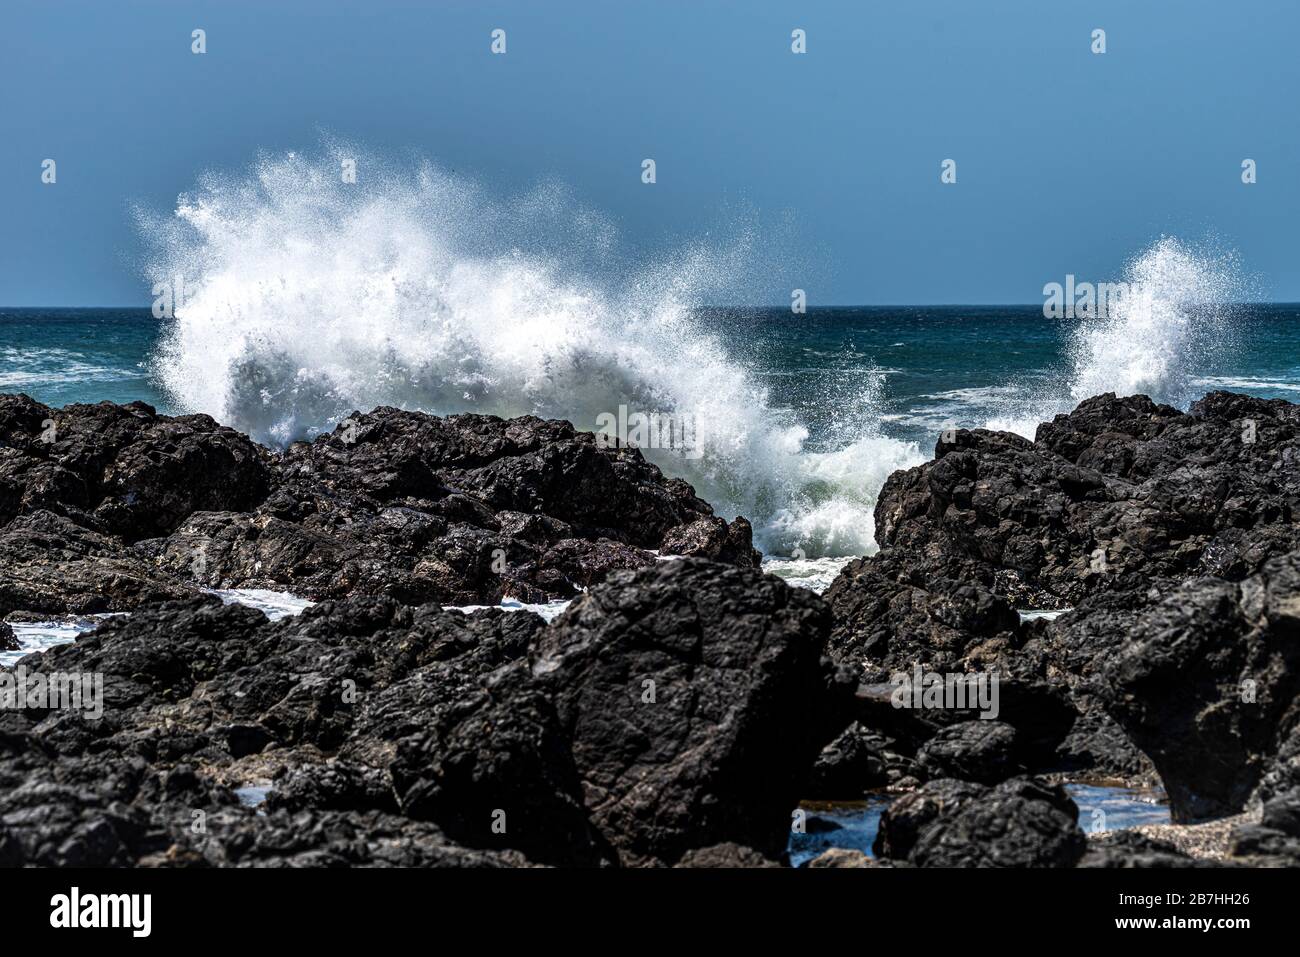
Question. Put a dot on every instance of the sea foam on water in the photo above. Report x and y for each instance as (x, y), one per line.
(1157, 339)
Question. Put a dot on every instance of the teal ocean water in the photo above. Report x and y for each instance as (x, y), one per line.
(854, 826)
(970, 366)
(802, 416)
(924, 367)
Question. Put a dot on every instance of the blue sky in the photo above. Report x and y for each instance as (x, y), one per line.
(1068, 162)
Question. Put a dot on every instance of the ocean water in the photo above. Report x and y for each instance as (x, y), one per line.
(547, 611)
(36, 636)
(299, 299)
(273, 604)
(830, 402)
(853, 825)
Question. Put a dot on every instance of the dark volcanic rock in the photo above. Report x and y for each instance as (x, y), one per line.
(206, 682)
(50, 564)
(680, 709)
(333, 786)
(107, 507)
(1109, 510)
(680, 687)
(1019, 823)
(728, 855)
(1113, 495)
(463, 509)
(1097, 745)
(981, 751)
(1029, 719)
(903, 822)
(328, 839)
(859, 760)
(1131, 850)
(1207, 685)
(123, 469)
(842, 857)
(103, 811)
(201, 685)
(8, 641)
(888, 619)
(652, 720)
(1118, 486)
(91, 811)
(714, 539)
(886, 625)
(499, 769)
(1276, 836)
(1283, 774)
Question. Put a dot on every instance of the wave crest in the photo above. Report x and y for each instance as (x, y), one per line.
(307, 298)
(1171, 325)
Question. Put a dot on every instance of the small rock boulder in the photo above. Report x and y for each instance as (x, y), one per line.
(981, 751)
(1019, 823)
(696, 697)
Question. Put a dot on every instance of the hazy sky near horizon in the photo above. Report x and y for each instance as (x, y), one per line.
(1067, 161)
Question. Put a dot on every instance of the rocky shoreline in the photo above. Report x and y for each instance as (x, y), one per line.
(678, 711)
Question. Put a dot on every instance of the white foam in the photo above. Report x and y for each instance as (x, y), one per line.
(814, 574)
(1032, 614)
(274, 604)
(1158, 340)
(36, 636)
(549, 611)
(1235, 382)
(309, 298)
(39, 635)
(253, 795)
